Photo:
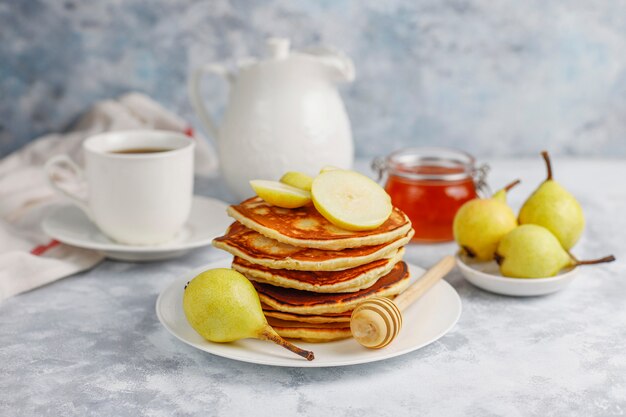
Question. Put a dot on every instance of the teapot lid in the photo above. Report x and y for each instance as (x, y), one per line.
(278, 48)
(334, 63)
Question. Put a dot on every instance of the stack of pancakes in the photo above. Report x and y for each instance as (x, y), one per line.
(310, 274)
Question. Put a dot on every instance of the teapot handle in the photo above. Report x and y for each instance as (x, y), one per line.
(196, 99)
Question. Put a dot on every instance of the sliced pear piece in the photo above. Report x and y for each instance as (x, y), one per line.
(328, 168)
(279, 194)
(297, 179)
(350, 200)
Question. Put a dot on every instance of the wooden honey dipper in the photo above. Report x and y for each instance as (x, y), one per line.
(376, 322)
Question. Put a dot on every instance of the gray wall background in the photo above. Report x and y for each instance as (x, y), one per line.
(503, 77)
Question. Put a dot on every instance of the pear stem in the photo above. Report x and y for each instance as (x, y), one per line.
(270, 334)
(546, 158)
(609, 258)
(511, 185)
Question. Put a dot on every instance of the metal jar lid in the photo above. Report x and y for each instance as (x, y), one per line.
(455, 165)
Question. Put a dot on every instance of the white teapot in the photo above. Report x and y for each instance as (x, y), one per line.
(284, 114)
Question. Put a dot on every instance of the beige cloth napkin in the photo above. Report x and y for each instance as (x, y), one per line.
(28, 258)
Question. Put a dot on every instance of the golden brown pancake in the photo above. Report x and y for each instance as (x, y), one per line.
(313, 318)
(305, 227)
(305, 302)
(309, 332)
(258, 249)
(348, 280)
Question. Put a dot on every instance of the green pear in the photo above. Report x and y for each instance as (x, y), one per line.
(480, 224)
(554, 208)
(223, 306)
(532, 251)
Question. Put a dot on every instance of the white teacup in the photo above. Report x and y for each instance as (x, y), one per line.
(139, 184)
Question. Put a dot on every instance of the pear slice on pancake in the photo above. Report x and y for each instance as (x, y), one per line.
(289, 300)
(258, 249)
(306, 227)
(348, 280)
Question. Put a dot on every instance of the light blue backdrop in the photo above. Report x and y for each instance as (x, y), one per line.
(492, 77)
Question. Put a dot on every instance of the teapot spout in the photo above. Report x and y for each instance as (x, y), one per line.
(340, 67)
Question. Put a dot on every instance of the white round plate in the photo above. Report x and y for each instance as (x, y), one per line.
(486, 275)
(425, 321)
(207, 220)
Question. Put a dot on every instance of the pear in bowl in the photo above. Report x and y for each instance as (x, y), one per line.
(529, 261)
(532, 251)
(481, 223)
(554, 208)
(486, 275)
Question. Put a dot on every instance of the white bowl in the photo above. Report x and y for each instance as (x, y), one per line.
(486, 275)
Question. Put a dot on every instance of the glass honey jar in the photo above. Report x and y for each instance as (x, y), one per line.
(430, 185)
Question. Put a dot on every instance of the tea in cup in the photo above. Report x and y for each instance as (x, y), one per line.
(139, 184)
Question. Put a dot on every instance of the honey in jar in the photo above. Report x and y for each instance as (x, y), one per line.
(430, 185)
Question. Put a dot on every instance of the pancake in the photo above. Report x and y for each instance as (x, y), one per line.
(314, 318)
(308, 332)
(258, 249)
(348, 280)
(305, 302)
(305, 227)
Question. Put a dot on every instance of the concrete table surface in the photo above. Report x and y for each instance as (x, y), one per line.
(91, 345)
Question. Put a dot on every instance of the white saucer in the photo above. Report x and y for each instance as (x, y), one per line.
(486, 275)
(425, 321)
(208, 219)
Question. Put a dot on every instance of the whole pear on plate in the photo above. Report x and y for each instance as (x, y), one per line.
(532, 251)
(554, 208)
(223, 306)
(480, 224)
